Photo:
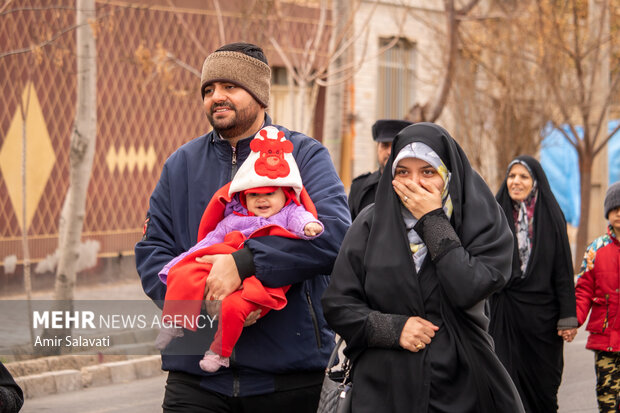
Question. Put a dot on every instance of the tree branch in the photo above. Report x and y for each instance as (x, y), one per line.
(38, 9)
(463, 11)
(190, 33)
(40, 45)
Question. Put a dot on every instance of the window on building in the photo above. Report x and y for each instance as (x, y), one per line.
(280, 100)
(396, 83)
(283, 103)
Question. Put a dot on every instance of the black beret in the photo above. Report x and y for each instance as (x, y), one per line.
(385, 130)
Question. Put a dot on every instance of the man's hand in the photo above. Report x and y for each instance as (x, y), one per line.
(223, 278)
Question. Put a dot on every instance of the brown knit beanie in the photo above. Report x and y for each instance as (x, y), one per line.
(612, 198)
(240, 69)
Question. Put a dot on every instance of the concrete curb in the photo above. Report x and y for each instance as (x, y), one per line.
(61, 381)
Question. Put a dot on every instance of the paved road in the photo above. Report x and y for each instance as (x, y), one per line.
(140, 396)
(577, 393)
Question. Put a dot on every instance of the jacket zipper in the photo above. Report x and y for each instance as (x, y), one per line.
(606, 321)
(233, 170)
(236, 380)
(315, 321)
(613, 325)
(236, 383)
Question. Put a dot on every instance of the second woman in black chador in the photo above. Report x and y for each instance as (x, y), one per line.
(408, 288)
(536, 309)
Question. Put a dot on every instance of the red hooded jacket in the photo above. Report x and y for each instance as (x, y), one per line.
(598, 289)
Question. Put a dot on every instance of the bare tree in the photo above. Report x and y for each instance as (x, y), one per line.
(23, 108)
(494, 94)
(564, 74)
(82, 149)
(574, 63)
(431, 110)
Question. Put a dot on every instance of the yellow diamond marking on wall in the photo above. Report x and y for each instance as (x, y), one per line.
(40, 157)
(130, 159)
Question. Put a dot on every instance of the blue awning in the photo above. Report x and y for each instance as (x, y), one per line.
(559, 160)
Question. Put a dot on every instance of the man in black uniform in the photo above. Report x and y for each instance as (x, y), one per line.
(363, 187)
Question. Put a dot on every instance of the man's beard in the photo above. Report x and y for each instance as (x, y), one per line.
(238, 124)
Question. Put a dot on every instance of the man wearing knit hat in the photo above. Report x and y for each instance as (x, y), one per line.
(363, 187)
(597, 290)
(278, 362)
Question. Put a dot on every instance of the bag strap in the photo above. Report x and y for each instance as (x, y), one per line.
(346, 363)
(332, 357)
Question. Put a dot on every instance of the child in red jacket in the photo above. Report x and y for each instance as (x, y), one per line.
(598, 289)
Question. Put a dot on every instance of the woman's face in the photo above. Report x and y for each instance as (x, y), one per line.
(414, 169)
(519, 183)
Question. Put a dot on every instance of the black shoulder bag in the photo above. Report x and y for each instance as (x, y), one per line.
(337, 387)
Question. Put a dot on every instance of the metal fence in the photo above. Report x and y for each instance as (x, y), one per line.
(146, 107)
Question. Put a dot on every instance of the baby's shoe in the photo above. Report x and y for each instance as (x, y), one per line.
(212, 362)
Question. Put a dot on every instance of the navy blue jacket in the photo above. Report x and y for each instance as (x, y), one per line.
(295, 339)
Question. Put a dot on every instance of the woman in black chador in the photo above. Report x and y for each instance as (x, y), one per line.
(408, 288)
(536, 309)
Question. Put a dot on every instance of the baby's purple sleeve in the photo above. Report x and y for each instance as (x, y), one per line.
(298, 218)
(163, 274)
(213, 237)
